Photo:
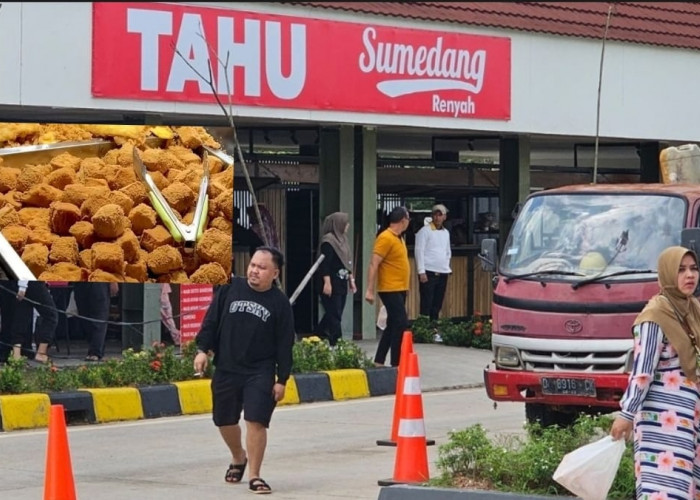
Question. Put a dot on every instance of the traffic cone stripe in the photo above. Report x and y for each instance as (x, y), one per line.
(411, 386)
(411, 428)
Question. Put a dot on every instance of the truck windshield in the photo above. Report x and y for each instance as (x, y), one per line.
(588, 234)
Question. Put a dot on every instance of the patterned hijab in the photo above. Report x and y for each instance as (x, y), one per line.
(670, 306)
(333, 230)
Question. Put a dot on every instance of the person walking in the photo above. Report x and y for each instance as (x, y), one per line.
(37, 297)
(389, 271)
(92, 299)
(661, 401)
(433, 254)
(249, 327)
(336, 271)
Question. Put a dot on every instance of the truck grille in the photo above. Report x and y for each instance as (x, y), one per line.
(584, 362)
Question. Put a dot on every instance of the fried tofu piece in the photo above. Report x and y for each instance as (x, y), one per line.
(65, 160)
(121, 199)
(63, 271)
(125, 155)
(120, 177)
(142, 217)
(78, 193)
(225, 178)
(215, 189)
(111, 157)
(185, 155)
(64, 249)
(164, 259)
(92, 204)
(178, 276)
(159, 180)
(96, 182)
(43, 236)
(130, 245)
(13, 199)
(18, 132)
(191, 177)
(224, 204)
(222, 224)
(62, 177)
(136, 191)
(215, 164)
(193, 137)
(161, 160)
(85, 258)
(93, 168)
(8, 179)
(137, 270)
(216, 246)
(156, 237)
(84, 233)
(30, 176)
(62, 216)
(34, 218)
(108, 257)
(109, 221)
(16, 236)
(36, 257)
(211, 273)
(179, 196)
(41, 195)
(102, 275)
(8, 216)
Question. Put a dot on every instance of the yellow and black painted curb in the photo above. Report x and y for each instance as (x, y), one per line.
(190, 397)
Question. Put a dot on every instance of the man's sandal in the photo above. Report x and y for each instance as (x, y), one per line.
(258, 486)
(234, 473)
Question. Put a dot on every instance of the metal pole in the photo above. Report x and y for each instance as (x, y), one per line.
(306, 279)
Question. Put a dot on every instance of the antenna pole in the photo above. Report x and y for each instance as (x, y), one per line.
(600, 82)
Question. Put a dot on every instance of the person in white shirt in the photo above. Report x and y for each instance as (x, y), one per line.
(433, 254)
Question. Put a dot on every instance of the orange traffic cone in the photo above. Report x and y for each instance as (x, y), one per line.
(411, 464)
(58, 483)
(406, 349)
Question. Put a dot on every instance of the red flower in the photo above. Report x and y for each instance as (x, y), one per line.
(155, 365)
(54, 369)
(477, 331)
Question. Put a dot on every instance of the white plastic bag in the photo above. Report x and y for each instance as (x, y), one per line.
(590, 470)
(381, 319)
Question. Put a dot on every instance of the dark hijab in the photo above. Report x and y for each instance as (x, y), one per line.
(333, 231)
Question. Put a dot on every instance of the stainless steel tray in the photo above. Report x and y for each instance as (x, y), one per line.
(41, 154)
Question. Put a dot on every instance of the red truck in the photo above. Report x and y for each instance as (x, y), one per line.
(577, 267)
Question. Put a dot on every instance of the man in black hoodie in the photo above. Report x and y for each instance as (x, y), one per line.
(249, 327)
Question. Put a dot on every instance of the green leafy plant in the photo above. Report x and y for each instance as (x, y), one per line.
(423, 329)
(312, 354)
(455, 333)
(526, 464)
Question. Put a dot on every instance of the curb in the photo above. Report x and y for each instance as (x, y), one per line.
(407, 492)
(189, 397)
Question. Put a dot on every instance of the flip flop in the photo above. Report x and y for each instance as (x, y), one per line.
(234, 473)
(258, 486)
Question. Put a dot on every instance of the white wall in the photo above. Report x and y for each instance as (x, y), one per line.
(648, 92)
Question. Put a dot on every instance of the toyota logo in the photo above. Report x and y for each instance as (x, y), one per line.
(573, 326)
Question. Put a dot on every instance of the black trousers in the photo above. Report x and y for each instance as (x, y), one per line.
(432, 294)
(92, 300)
(333, 307)
(396, 324)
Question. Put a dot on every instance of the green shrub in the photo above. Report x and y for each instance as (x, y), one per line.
(311, 354)
(526, 464)
(423, 329)
(455, 333)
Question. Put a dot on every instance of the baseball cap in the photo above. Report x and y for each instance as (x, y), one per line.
(440, 208)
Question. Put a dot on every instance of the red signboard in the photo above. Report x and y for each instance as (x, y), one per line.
(194, 301)
(296, 62)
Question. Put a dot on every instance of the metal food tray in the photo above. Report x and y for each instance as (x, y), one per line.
(41, 154)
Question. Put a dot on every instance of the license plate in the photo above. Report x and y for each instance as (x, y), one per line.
(568, 386)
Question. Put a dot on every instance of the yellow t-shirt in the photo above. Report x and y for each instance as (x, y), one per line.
(394, 272)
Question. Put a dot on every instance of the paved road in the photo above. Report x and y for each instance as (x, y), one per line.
(317, 451)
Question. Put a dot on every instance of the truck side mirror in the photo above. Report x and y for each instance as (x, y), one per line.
(488, 255)
(690, 238)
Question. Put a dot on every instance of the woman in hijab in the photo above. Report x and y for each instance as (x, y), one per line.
(336, 271)
(662, 404)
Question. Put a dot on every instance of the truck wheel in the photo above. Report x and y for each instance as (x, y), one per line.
(547, 416)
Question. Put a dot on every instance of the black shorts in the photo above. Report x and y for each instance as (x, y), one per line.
(235, 392)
